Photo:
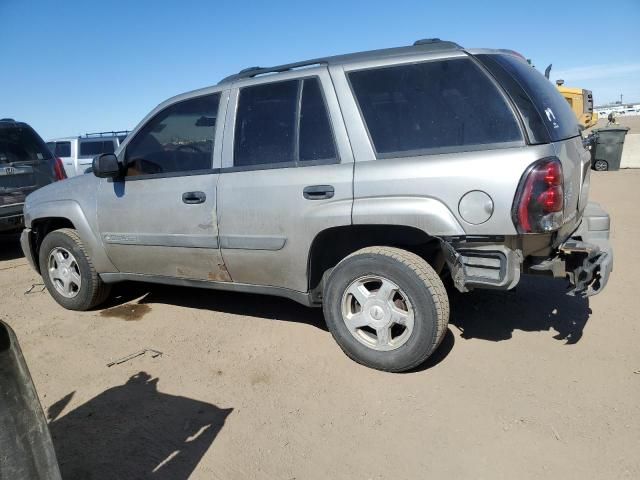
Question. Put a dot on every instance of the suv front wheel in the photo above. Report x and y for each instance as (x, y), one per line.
(386, 307)
(68, 273)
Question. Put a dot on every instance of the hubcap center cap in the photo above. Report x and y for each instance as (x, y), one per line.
(376, 312)
(65, 272)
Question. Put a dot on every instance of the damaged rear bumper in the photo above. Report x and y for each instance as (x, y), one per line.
(585, 258)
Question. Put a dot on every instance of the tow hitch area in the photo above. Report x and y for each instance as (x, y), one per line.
(586, 266)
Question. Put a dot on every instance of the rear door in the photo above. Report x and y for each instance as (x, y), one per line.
(25, 163)
(160, 219)
(287, 175)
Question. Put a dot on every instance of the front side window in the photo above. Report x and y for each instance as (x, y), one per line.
(178, 139)
(440, 105)
(282, 123)
(95, 147)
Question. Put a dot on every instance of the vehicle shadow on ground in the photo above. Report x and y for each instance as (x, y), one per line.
(537, 304)
(10, 247)
(252, 305)
(134, 431)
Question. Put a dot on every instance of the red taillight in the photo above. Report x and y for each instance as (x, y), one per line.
(58, 168)
(551, 199)
(539, 203)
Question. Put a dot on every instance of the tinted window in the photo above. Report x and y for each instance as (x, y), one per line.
(266, 128)
(316, 138)
(266, 124)
(21, 144)
(178, 139)
(432, 105)
(62, 149)
(95, 147)
(536, 97)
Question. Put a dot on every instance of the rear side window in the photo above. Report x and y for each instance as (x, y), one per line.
(316, 137)
(62, 149)
(266, 124)
(282, 123)
(546, 113)
(21, 143)
(448, 105)
(178, 139)
(95, 147)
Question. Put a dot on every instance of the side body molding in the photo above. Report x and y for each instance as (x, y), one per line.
(427, 214)
(72, 211)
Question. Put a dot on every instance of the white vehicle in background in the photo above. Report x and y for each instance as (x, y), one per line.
(77, 153)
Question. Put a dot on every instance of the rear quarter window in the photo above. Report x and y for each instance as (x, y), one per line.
(93, 148)
(433, 107)
(62, 149)
(539, 101)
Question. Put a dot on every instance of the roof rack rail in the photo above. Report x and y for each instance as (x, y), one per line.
(422, 45)
(255, 71)
(115, 133)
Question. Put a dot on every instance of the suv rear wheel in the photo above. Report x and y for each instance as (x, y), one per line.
(386, 307)
(68, 273)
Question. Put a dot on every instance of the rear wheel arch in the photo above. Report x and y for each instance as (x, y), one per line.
(332, 245)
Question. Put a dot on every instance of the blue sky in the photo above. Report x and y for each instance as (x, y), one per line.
(70, 67)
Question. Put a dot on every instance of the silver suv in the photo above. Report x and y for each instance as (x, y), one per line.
(358, 183)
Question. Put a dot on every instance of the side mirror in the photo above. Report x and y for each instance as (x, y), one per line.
(106, 166)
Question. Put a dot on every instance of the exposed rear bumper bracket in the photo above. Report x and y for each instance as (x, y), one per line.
(586, 258)
(587, 267)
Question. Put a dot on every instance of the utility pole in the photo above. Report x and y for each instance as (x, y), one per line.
(620, 99)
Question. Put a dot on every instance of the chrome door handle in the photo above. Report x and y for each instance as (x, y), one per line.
(193, 197)
(318, 192)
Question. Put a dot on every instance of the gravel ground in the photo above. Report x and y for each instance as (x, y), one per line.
(527, 384)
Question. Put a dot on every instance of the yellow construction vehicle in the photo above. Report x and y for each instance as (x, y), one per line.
(579, 99)
(581, 102)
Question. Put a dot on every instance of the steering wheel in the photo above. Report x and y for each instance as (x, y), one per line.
(189, 146)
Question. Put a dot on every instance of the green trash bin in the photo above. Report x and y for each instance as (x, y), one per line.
(608, 148)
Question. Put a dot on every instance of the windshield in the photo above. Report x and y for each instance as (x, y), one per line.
(20, 143)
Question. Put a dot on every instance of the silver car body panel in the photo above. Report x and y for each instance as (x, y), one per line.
(73, 199)
(133, 219)
(255, 230)
(266, 225)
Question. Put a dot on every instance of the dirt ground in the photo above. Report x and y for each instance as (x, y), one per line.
(527, 384)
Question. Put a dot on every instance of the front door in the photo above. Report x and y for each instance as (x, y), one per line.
(287, 175)
(160, 218)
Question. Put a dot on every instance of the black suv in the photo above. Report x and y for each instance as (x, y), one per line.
(26, 164)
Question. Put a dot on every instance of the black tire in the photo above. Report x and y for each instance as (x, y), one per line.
(92, 291)
(419, 282)
(601, 165)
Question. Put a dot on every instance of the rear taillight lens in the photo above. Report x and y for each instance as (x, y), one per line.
(58, 168)
(539, 203)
